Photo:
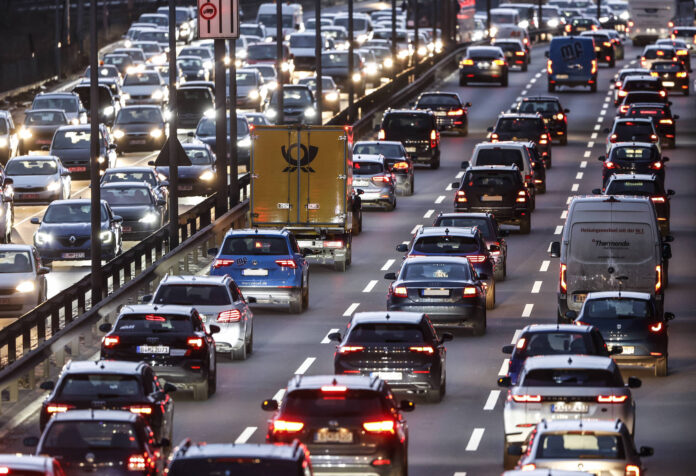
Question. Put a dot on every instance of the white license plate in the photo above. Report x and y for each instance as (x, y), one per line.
(361, 183)
(561, 76)
(138, 141)
(77, 169)
(185, 187)
(570, 407)
(627, 350)
(483, 65)
(325, 435)
(255, 272)
(153, 349)
(72, 255)
(668, 84)
(440, 113)
(388, 375)
(410, 149)
(579, 298)
(436, 292)
(491, 198)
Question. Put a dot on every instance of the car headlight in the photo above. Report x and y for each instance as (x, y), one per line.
(208, 65)
(156, 133)
(25, 133)
(128, 43)
(254, 94)
(201, 72)
(157, 94)
(241, 54)
(207, 176)
(388, 62)
(43, 238)
(244, 143)
(118, 133)
(226, 60)
(106, 236)
(271, 113)
(362, 38)
(53, 186)
(108, 110)
(184, 27)
(75, 121)
(331, 97)
(131, 69)
(210, 113)
(357, 77)
(25, 287)
(149, 218)
(3, 142)
(523, 24)
(285, 66)
(371, 69)
(272, 85)
(310, 112)
(422, 51)
(494, 31)
(553, 23)
(125, 96)
(603, 19)
(402, 54)
(100, 159)
(238, 63)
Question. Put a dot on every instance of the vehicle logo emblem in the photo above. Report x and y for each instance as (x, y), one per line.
(618, 326)
(300, 156)
(581, 466)
(254, 263)
(72, 239)
(89, 457)
(333, 424)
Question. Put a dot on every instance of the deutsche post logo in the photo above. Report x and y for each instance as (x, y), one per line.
(306, 156)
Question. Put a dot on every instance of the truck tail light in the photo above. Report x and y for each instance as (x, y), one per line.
(221, 263)
(383, 426)
(657, 327)
(333, 244)
(195, 342)
(381, 134)
(632, 470)
(460, 197)
(349, 349)
(526, 398)
(58, 408)
(232, 315)
(658, 278)
(549, 64)
(562, 278)
(611, 398)
(111, 341)
(137, 462)
(470, 292)
(400, 291)
(425, 349)
(140, 409)
(286, 263)
(284, 426)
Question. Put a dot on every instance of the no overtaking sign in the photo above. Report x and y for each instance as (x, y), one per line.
(218, 19)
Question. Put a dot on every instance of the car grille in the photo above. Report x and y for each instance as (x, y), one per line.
(139, 97)
(29, 189)
(6, 291)
(65, 241)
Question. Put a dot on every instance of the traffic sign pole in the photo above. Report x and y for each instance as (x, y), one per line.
(173, 130)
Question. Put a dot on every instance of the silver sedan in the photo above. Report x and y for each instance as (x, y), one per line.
(22, 280)
(374, 182)
(38, 179)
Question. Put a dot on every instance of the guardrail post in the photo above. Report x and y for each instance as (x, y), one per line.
(41, 329)
(80, 307)
(26, 341)
(11, 350)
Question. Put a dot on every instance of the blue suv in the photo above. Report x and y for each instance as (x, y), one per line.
(267, 265)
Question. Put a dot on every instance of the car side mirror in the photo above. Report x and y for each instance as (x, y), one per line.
(43, 270)
(566, 111)
(251, 300)
(407, 406)
(446, 337)
(505, 382)
(494, 248)
(669, 316)
(117, 219)
(390, 276)
(47, 385)
(31, 441)
(666, 251)
(634, 382)
(146, 298)
(571, 315)
(515, 450)
(45, 148)
(507, 349)
(191, 134)
(669, 102)
(464, 165)
(169, 388)
(555, 249)
(665, 159)
(213, 251)
(402, 248)
(616, 350)
(482, 276)
(596, 191)
(269, 405)
(106, 327)
(606, 130)
(360, 191)
(35, 221)
(490, 129)
(151, 163)
(214, 329)
(601, 158)
(468, 104)
(335, 337)
(646, 451)
(638, 56)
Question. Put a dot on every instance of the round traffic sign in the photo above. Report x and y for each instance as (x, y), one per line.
(208, 11)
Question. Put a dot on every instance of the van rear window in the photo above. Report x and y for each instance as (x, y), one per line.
(499, 181)
(500, 157)
(600, 243)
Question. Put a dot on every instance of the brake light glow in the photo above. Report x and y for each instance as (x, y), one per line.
(381, 179)
(529, 467)
(521, 343)
(653, 137)
(460, 197)
(632, 470)
(469, 291)
(347, 349)
(544, 139)
(58, 407)
(381, 134)
(499, 62)
(381, 462)
(426, 349)
(231, 315)
(400, 166)
(334, 388)
(594, 66)
(657, 327)
(658, 199)
(137, 463)
(681, 74)
(286, 263)
(682, 52)
(611, 398)
(655, 74)
(623, 109)
(549, 67)
(662, 93)
(111, 341)
(152, 317)
(656, 165)
(400, 291)
(568, 28)
(617, 84)
(384, 426)
(476, 258)
(622, 93)
(468, 62)
(140, 409)
(521, 196)
(333, 244)
(607, 43)
(612, 138)
(4, 470)
(658, 278)
(221, 263)
(527, 398)
(433, 138)
(283, 426)
(494, 137)
(519, 53)
(455, 112)
(195, 342)
(564, 284)
(610, 165)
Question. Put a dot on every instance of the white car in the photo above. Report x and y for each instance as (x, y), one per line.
(22, 280)
(38, 179)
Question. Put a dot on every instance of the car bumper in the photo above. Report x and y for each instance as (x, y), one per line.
(183, 377)
(376, 197)
(503, 215)
(482, 75)
(350, 464)
(572, 80)
(43, 196)
(134, 230)
(447, 123)
(445, 315)
(17, 304)
(410, 381)
(271, 295)
(195, 188)
(140, 143)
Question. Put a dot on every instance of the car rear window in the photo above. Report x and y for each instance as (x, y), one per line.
(571, 378)
(237, 465)
(409, 122)
(659, 53)
(192, 295)
(438, 100)
(435, 272)
(580, 446)
(634, 97)
(367, 168)
(542, 107)
(446, 244)
(127, 196)
(671, 67)
(520, 126)
(633, 129)
(641, 85)
(100, 386)
(634, 154)
(255, 245)
(621, 242)
(155, 323)
(632, 187)
(615, 308)
(68, 436)
(391, 151)
(554, 343)
(650, 112)
(386, 334)
(500, 156)
(496, 180)
(481, 223)
(318, 404)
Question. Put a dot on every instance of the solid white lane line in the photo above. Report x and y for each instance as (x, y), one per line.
(429, 213)
(305, 365)
(544, 266)
(415, 229)
(278, 397)
(475, 439)
(587, 153)
(370, 286)
(326, 339)
(527, 311)
(460, 174)
(575, 187)
(246, 434)
(440, 199)
(583, 164)
(492, 400)
(558, 230)
(578, 176)
(504, 367)
(536, 287)
(564, 214)
(388, 265)
(351, 309)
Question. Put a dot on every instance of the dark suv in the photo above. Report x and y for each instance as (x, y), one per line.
(496, 189)
(399, 347)
(172, 338)
(248, 459)
(662, 117)
(634, 158)
(346, 421)
(550, 109)
(451, 113)
(417, 130)
(523, 127)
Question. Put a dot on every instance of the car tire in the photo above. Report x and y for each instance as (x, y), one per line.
(490, 296)
(200, 391)
(504, 82)
(499, 273)
(612, 63)
(295, 305)
(661, 367)
(525, 67)
(526, 224)
(593, 87)
(250, 344)
(551, 87)
(509, 461)
(564, 141)
(687, 91)
(239, 354)
(462, 82)
(479, 328)
(340, 266)
(435, 162)
(542, 188)
(212, 384)
(435, 395)
(305, 298)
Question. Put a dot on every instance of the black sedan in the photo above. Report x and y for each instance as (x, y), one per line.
(197, 175)
(142, 212)
(445, 288)
(515, 52)
(483, 64)
(139, 128)
(146, 175)
(399, 347)
(673, 74)
(205, 132)
(634, 158)
(38, 129)
(71, 144)
(662, 117)
(450, 112)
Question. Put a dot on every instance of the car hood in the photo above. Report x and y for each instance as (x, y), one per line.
(8, 280)
(140, 90)
(132, 212)
(67, 229)
(186, 171)
(21, 181)
(71, 154)
(43, 130)
(141, 127)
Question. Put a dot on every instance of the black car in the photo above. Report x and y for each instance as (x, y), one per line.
(139, 128)
(89, 441)
(495, 189)
(146, 175)
(576, 25)
(633, 158)
(172, 338)
(205, 132)
(638, 83)
(290, 459)
(121, 61)
(483, 64)
(347, 421)
(192, 104)
(645, 185)
(642, 97)
(450, 112)
(551, 110)
(39, 126)
(71, 144)
(605, 48)
(298, 105)
(515, 52)
(111, 385)
(395, 157)
(539, 168)
(196, 176)
(523, 127)
(335, 64)
(401, 348)
(446, 288)
(107, 105)
(662, 117)
(634, 322)
(142, 211)
(192, 68)
(673, 74)
(632, 130)
(416, 130)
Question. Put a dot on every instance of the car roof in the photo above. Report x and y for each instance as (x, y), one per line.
(449, 230)
(499, 168)
(256, 231)
(315, 382)
(438, 93)
(408, 111)
(540, 98)
(103, 366)
(437, 259)
(124, 184)
(544, 328)
(58, 93)
(387, 317)
(34, 157)
(503, 144)
(618, 294)
(291, 451)
(609, 426)
(373, 142)
(158, 308)
(96, 415)
(142, 106)
(519, 115)
(616, 145)
(15, 247)
(641, 77)
(194, 279)
(604, 198)
(632, 119)
(568, 362)
(655, 105)
(368, 158)
(466, 215)
(130, 169)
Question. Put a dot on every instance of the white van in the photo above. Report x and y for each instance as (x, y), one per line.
(505, 16)
(292, 18)
(610, 243)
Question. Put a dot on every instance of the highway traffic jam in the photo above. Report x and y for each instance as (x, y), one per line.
(483, 284)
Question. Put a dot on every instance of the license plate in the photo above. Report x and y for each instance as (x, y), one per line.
(561, 76)
(484, 65)
(341, 435)
(72, 255)
(436, 292)
(361, 183)
(153, 349)
(28, 195)
(137, 141)
(388, 375)
(43, 141)
(491, 198)
(627, 350)
(126, 229)
(77, 169)
(668, 84)
(579, 298)
(255, 272)
(410, 149)
(440, 113)
(570, 407)
(4, 300)
(185, 187)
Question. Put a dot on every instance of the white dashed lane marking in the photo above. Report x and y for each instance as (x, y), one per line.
(351, 309)
(475, 439)
(246, 434)
(558, 230)
(583, 164)
(460, 174)
(568, 200)
(575, 187)
(388, 265)
(544, 266)
(593, 136)
(429, 213)
(370, 286)
(492, 400)
(305, 365)
(279, 395)
(415, 229)
(440, 199)
(587, 153)
(527, 311)
(564, 214)
(536, 287)
(504, 368)
(578, 176)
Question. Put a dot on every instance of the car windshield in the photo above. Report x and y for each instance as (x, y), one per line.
(418, 123)
(269, 21)
(326, 83)
(293, 97)
(224, 466)
(255, 245)
(446, 244)
(45, 118)
(103, 72)
(69, 436)
(70, 213)
(629, 130)
(386, 334)
(188, 98)
(338, 60)
(481, 223)
(126, 196)
(571, 378)
(580, 446)
(335, 34)
(155, 323)
(15, 262)
(246, 78)
(190, 63)
(137, 115)
(554, 343)
(521, 127)
(252, 30)
(117, 60)
(99, 385)
(149, 47)
(632, 187)
(135, 54)
(438, 100)
(435, 272)
(71, 139)
(147, 177)
(192, 295)
(154, 19)
(637, 154)
(318, 404)
(641, 85)
(499, 156)
(542, 107)
(262, 51)
(483, 53)
(198, 156)
(207, 127)
(267, 71)
(200, 52)
(359, 24)
(367, 168)
(302, 41)
(66, 104)
(649, 112)
(257, 119)
(390, 151)
(617, 308)
(31, 167)
(153, 35)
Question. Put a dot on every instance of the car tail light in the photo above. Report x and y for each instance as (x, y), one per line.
(469, 292)
(383, 426)
(494, 137)
(612, 138)
(381, 134)
(549, 67)
(468, 62)
(595, 27)
(623, 93)
(681, 74)
(221, 263)
(425, 349)
(140, 409)
(284, 426)
(656, 165)
(460, 197)
(521, 342)
(632, 470)
(528, 467)
(623, 108)
(476, 258)
(682, 52)
(657, 327)
(544, 139)
(400, 291)
(610, 164)
(662, 93)
(562, 278)
(521, 196)
(455, 112)
(111, 341)
(381, 462)
(334, 389)
(232, 315)
(666, 121)
(333, 244)
(658, 199)
(594, 67)
(400, 166)
(286, 263)
(499, 62)
(378, 179)
(568, 28)
(655, 74)
(527, 398)
(611, 398)
(137, 462)
(433, 138)
(519, 53)
(653, 137)
(617, 84)
(349, 349)
(195, 342)
(658, 278)
(525, 41)
(58, 407)
(607, 43)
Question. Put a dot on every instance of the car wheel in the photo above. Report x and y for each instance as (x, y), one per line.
(340, 266)
(542, 188)
(250, 344)
(687, 91)
(212, 384)
(490, 296)
(412, 186)
(305, 298)
(296, 303)
(435, 395)
(564, 141)
(435, 162)
(200, 391)
(525, 67)
(526, 224)
(509, 461)
(661, 367)
(612, 63)
(462, 81)
(499, 273)
(593, 87)
(504, 82)
(479, 328)
(240, 354)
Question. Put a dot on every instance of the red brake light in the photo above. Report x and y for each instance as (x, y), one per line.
(521, 343)
(286, 263)
(521, 196)
(140, 409)
(381, 135)
(622, 93)
(111, 341)
(562, 278)
(658, 199)
(611, 398)
(347, 349)
(455, 112)
(663, 93)
(58, 407)
(618, 83)
(232, 315)
(334, 388)
(283, 426)
(656, 165)
(468, 62)
(137, 462)
(426, 349)
(527, 398)
(381, 179)
(469, 291)
(461, 196)
(195, 342)
(221, 263)
(655, 74)
(657, 327)
(612, 138)
(607, 43)
(653, 137)
(400, 291)
(623, 109)
(400, 166)
(384, 426)
(476, 258)
(610, 164)
(632, 470)
(333, 244)
(658, 278)
(519, 53)
(152, 317)
(549, 67)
